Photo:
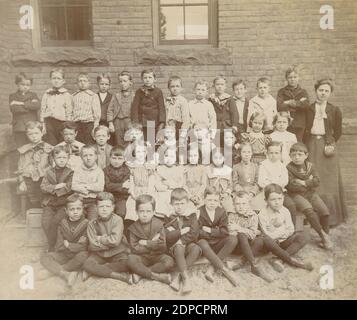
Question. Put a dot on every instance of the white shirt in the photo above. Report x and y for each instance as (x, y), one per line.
(287, 139)
(211, 214)
(272, 172)
(318, 126)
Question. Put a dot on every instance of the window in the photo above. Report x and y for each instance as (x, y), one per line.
(65, 22)
(186, 21)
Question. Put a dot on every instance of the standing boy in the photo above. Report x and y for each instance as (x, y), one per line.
(101, 136)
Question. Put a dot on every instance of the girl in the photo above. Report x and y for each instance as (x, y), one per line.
(281, 122)
(231, 152)
(323, 130)
(256, 138)
(219, 176)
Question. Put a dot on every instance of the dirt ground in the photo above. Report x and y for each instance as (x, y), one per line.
(291, 284)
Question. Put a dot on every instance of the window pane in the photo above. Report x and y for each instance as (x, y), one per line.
(53, 24)
(195, 1)
(171, 23)
(196, 22)
(78, 23)
(52, 3)
(171, 2)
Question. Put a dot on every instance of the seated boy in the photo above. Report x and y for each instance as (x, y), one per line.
(108, 246)
(181, 236)
(275, 222)
(101, 137)
(303, 181)
(88, 180)
(56, 187)
(71, 245)
(215, 242)
(148, 243)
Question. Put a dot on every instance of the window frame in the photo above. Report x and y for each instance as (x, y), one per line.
(212, 27)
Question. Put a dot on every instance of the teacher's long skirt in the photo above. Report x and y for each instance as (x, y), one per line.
(331, 186)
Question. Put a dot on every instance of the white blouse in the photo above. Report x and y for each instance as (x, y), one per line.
(318, 126)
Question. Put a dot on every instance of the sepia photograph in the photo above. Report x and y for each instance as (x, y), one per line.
(178, 150)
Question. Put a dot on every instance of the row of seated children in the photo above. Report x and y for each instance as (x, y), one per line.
(163, 249)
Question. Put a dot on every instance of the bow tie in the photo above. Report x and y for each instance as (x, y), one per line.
(238, 99)
(171, 100)
(147, 89)
(102, 149)
(54, 92)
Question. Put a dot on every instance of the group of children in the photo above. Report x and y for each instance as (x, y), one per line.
(120, 204)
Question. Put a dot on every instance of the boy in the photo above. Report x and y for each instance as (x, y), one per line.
(88, 180)
(86, 110)
(275, 221)
(294, 99)
(264, 103)
(215, 242)
(101, 136)
(119, 109)
(71, 246)
(56, 108)
(117, 175)
(56, 187)
(181, 236)
(201, 111)
(24, 106)
(69, 134)
(148, 243)
(303, 181)
(148, 104)
(104, 81)
(241, 102)
(108, 246)
(33, 163)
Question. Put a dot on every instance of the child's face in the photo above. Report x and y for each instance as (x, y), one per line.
(116, 161)
(105, 208)
(140, 154)
(101, 137)
(218, 159)
(257, 125)
(148, 79)
(201, 91)
(274, 153)
(193, 156)
(246, 154)
(89, 157)
(240, 91)
(125, 83)
(263, 89)
(220, 86)
(180, 206)
(145, 212)
(212, 201)
(69, 135)
(83, 83)
(61, 159)
(242, 205)
(104, 85)
(57, 80)
(229, 138)
(170, 133)
(275, 201)
(24, 86)
(74, 210)
(175, 87)
(170, 158)
(323, 92)
(34, 135)
(135, 134)
(293, 79)
(298, 157)
(281, 124)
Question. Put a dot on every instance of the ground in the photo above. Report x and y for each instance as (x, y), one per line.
(291, 284)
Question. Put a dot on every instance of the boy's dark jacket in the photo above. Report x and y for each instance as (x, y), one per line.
(114, 180)
(104, 107)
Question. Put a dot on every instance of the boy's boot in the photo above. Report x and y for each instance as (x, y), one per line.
(300, 264)
(186, 283)
(72, 277)
(209, 274)
(125, 277)
(326, 242)
(136, 278)
(161, 277)
(175, 283)
(230, 276)
(277, 264)
(260, 272)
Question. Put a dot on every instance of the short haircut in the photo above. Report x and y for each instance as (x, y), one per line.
(291, 70)
(70, 125)
(241, 194)
(33, 125)
(87, 147)
(58, 149)
(146, 71)
(219, 77)
(263, 80)
(283, 114)
(117, 151)
(74, 198)
(211, 190)
(99, 128)
(136, 126)
(201, 83)
(174, 78)
(243, 145)
(57, 70)
(22, 77)
(272, 188)
(178, 194)
(238, 82)
(125, 73)
(83, 75)
(275, 144)
(103, 196)
(321, 82)
(104, 75)
(299, 146)
(258, 115)
(144, 198)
